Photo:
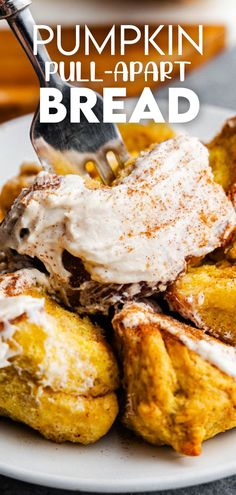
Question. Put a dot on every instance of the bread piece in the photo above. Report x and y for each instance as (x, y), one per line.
(222, 153)
(139, 137)
(13, 187)
(206, 295)
(179, 384)
(57, 373)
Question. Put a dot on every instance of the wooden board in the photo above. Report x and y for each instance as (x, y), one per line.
(19, 86)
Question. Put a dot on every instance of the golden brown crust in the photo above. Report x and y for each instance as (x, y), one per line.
(1, 215)
(62, 376)
(222, 154)
(206, 295)
(58, 416)
(14, 186)
(173, 396)
(139, 137)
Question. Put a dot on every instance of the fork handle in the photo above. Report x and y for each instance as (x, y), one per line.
(20, 20)
(11, 7)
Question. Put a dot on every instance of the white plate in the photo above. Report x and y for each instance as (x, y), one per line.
(119, 462)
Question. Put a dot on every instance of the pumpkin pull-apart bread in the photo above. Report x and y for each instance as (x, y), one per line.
(12, 188)
(206, 295)
(104, 245)
(179, 384)
(57, 373)
(222, 154)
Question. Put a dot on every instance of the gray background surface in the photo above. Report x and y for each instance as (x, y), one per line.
(223, 487)
(215, 84)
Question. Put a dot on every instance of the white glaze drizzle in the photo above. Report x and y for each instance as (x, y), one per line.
(220, 355)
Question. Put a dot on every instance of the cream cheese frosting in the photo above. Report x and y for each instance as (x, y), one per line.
(218, 354)
(12, 284)
(54, 368)
(13, 304)
(143, 229)
(10, 309)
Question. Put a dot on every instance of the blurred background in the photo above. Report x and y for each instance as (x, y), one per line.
(19, 86)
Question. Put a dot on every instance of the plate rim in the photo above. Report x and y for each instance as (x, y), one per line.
(103, 485)
(89, 485)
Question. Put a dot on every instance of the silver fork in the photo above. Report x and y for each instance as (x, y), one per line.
(64, 142)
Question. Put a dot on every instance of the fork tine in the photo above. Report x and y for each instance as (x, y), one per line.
(104, 169)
